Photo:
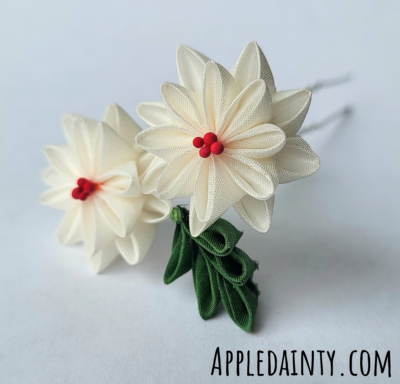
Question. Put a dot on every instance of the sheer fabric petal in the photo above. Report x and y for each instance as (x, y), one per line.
(252, 107)
(219, 90)
(155, 210)
(123, 180)
(253, 178)
(290, 109)
(70, 225)
(58, 197)
(214, 191)
(166, 141)
(183, 107)
(252, 65)
(123, 124)
(178, 177)
(191, 65)
(262, 141)
(153, 113)
(150, 168)
(135, 247)
(54, 178)
(256, 213)
(101, 260)
(296, 160)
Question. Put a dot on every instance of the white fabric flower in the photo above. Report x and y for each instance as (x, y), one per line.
(105, 182)
(228, 137)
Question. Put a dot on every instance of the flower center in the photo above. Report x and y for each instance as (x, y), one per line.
(84, 190)
(208, 144)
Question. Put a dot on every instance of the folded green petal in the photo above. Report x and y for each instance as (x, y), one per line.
(221, 271)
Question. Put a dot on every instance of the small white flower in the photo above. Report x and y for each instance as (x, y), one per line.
(105, 182)
(228, 137)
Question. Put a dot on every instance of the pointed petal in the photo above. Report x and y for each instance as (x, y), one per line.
(262, 141)
(122, 123)
(55, 178)
(153, 113)
(101, 260)
(71, 224)
(290, 109)
(197, 227)
(255, 179)
(63, 158)
(166, 141)
(122, 180)
(183, 107)
(252, 65)
(252, 107)
(256, 213)
(150, 168)
(97, 231)
(155, 210)
(296, 160)
(135, 247)
(219, 90)
(191, 65)
(120, 213)
(178, 177)
(214, 191)
(58, 197)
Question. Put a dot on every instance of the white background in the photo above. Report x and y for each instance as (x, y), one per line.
(329, 266)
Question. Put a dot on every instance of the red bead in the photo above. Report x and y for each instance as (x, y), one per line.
(217, 148)
(75, 193)
(210, 138)
(89, 187)
(83, 196)
(205, 152)
(81, 182)
(198, 142)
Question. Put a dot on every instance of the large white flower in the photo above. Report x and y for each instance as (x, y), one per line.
(105, 182)
(228, 137)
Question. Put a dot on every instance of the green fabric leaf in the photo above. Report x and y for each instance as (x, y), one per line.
(221, 271)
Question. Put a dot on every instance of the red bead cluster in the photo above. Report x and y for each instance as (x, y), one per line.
(208, 144)
(84, 190)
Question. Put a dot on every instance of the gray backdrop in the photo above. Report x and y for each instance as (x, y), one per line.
(329, 266)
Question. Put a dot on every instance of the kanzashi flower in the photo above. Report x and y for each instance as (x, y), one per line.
(228, 137)
(105, 182)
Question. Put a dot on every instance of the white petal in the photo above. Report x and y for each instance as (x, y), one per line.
(178, 177)
(63, 158)
(155, 210)
(101, 260)
(191, 65)
(120, 213)
(184, 108)
(55, 178)
(59, 197)
(219, 90)
(68, 122)
(166, 141)
(122, 123)
(253, 65)
(97, 231)
(214, 190)
(256, 213)
(71, 225)
(153, 113)
(252, 107)
(196, 226)
(296, 160)
(290, 109)
(150, 168)
(122, 180)
(255, 179)
(135, 247)
(262, 141)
